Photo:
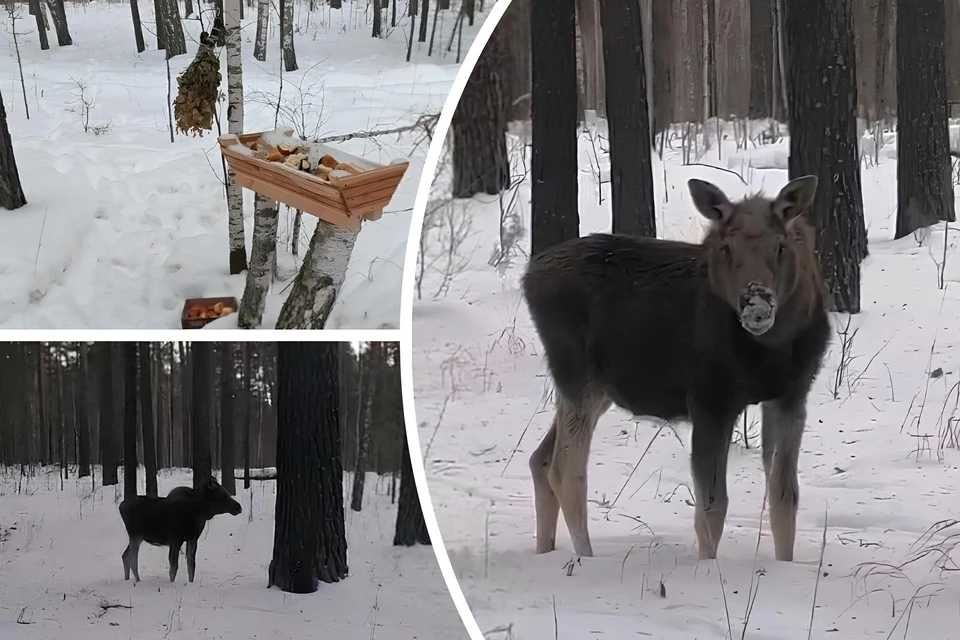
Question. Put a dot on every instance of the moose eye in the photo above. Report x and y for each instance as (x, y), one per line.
(780, 249)
(726, 253)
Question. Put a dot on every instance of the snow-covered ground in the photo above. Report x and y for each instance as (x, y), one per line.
(879, 465)
(121, 225)
(61, 576)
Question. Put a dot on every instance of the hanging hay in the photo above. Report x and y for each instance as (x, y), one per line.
(197, 90)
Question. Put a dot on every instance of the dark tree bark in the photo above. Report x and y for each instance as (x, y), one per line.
(553, 110)
(11, 192)
(137, 28)
(924, 187)
(368, 393)
(170, 28)
(411, 527)
(59, 14)
(309, 542)
(631, 174)
(246, 407)
(188, 8)
(228, 387)
(480, 163)
(129, 350)
(286, 36)
(147, 421)
(470, 8)
(37, 10)
(663, 65)
(822, 103)
(201, 409)
(377, 20)
(83, 422)
(761, 58)
(425, 9)
(109, 454)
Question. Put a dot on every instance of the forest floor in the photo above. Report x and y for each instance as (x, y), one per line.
(878, 469)
(61, 575)
(121, 225)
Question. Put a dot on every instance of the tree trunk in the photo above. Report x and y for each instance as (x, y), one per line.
(108, 434)
(309, 542)
(631, 174)
(238, 249)
(188, 8)
(263, 28)
(286, 35)
(228, 390)
(324, 268)
(377, 20)
(201, 410)
(663, 65)
(480, 163)
(822, 103)
(171, 27)
(137, 28)
(424, 10)
(147, 421)
(83, 416)
(247, 391)
(262, 258)
(553, 110)
(367, 395)
(59, 15)
(129, 350)
(411, 527)
(11, 191)
(761, 58)
(37, 10)
(924, 188)
(470, 8)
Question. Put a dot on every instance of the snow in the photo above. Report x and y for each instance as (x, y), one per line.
(107, 208)
(878, 468)
(60, 561)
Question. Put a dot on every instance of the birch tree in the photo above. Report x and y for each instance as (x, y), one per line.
(321, 276)
(238, 249)
(262, 258)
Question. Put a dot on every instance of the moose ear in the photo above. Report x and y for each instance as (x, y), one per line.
(211, 483)
(795, 197)
(709, 200)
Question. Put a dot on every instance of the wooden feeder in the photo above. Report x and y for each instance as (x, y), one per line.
(205, 306)
(339, 200)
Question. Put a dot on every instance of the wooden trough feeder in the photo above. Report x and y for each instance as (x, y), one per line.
(344, 194)
(199, 312)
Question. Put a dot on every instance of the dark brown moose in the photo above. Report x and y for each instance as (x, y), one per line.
(681, 331)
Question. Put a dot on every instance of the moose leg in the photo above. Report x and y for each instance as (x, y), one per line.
(575, 423)
(711, 443)
(133, 559)
(191, 558)
(125, 556)
(783, 424)
(545, 500)
(174, 557)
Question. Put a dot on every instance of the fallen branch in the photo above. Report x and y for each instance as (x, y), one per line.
(106, 606)
(426, 122)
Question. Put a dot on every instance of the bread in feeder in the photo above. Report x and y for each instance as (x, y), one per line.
(298, 161)
(329, 161)
(349, 168)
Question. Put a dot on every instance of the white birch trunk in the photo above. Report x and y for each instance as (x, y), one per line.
(320, 278)
(262, 259)
(231, 20)
(263, 27)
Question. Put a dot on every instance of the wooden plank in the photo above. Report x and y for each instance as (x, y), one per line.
(298, 201)
(351, 182)
(380, 195)
(288, 180)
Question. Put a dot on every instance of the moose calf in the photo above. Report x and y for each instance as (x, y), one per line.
(675, 331)
(171, 521)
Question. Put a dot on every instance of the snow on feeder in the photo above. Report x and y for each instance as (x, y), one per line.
(333, 185)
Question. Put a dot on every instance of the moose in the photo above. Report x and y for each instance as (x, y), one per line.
(180, 517)
(681, 331)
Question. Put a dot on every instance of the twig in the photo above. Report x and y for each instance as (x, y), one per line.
(425, 122)
(816, 585)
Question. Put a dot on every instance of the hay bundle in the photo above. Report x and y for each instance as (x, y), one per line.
(197, 90)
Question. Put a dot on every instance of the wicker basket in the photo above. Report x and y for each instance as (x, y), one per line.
(343, 201)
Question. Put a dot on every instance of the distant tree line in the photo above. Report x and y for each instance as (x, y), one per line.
(64, 403)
